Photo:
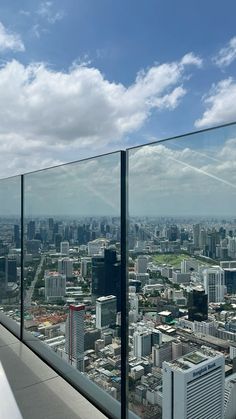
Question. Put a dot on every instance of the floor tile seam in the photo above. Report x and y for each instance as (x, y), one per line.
(35, 384)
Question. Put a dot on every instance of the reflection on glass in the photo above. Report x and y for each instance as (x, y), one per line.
(72, 265)
(10, 251)
(182, 274)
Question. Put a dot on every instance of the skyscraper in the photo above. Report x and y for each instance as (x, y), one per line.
(31, 230)
(75, 336)
(17, 235)
(105, 312)
(197, 305)
(106, 276)
(64, 248)
(65, 266)
(193, 386)
(55, 285)
(214, 284)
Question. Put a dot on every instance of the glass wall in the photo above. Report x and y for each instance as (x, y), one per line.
(72, 264)
(182, 271)
(10, 252)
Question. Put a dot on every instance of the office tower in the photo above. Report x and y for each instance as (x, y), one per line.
(142, 343)
(17, 236)
(85, 262)
(31, 230)
(156, 337)
(55, 285)
(230, 280)
(232, 247)
(11, 269)
(202, 238)
(161, 353)
(75, 336)
(90, 337)
(50, 223)
(33, 246)
(105, 312)
(197, 305)
(212, 239)
(64, 248)
(106, 276)
(177, 349)
(57, 241)
(196, 235)
(214, 284)
(65, 266)
(141, 264)
(193, 386)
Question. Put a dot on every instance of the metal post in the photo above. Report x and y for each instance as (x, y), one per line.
(124, 290)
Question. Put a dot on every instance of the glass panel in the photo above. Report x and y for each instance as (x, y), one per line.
(10, 252)
(182, 273)
(72, 260)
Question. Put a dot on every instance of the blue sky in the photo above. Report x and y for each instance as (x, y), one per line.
(83, 77)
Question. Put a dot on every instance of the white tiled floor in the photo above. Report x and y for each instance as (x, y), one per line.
(39, 392)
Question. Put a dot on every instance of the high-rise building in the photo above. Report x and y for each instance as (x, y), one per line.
(214, 284)
(197, 305)
(65, 266)
(105, 312)
(11, 269)
(31, 230)
(55, 285)
(75, 336)
(17, 235)
(193, 386)
(142, 343)
(230, 280)
(161, 353)
(141, 264)
(196, 235)
(106, 276)
(64, 247)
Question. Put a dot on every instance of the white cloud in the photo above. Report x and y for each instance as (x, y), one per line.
(10, 40)
(46, 11)
(49, 115)
(220, 104)
(227, 54)
(191, 58)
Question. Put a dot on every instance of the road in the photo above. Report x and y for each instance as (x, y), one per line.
(30, 291)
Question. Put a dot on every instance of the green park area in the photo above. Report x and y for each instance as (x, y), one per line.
(170, 259)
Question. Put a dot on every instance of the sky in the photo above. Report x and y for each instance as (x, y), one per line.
(83, 77)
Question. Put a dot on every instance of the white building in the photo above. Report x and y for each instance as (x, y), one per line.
(141, 264)
(65, 266)
(75, 336)
(105, 312)
(96, 247)
(133, 304)
(230, 397)
(214, 284)
(65, 246)
(193, 386)
(55, 285)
